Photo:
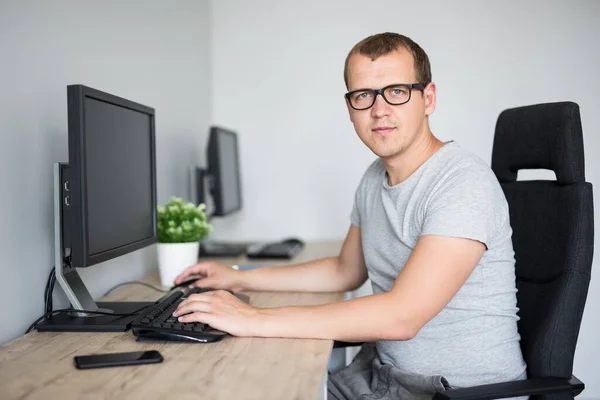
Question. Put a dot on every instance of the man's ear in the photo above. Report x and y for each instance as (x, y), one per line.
(429, 94)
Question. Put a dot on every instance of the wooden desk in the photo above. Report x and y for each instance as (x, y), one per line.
(39, 365)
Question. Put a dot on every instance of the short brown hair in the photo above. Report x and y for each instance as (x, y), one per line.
(381, 44)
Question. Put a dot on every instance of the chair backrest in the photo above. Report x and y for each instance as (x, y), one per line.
(553, 229)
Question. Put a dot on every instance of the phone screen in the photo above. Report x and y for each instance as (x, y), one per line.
(117, 359)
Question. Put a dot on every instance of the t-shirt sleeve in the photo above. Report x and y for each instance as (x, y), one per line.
(469, 204)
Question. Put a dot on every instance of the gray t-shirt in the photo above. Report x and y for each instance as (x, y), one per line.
(474, 339)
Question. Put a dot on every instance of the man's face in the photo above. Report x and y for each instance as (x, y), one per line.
(387, 129)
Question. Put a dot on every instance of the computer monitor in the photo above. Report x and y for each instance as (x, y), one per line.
(223, 179)
(105, 199)
(222, 173)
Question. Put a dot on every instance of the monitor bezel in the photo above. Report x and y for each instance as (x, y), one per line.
(214, 169)
(78, 210)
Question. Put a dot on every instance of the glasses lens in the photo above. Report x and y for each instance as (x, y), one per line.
(361, 99)
(398, 94)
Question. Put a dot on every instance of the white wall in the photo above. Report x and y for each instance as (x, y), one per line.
(147, 51)
(277, 79)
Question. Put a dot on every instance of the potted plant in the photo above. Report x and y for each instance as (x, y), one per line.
(180, 228)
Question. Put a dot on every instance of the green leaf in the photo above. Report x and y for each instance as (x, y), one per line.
(181, 222)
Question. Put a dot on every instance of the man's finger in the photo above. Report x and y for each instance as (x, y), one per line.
(195, 297)
(203, 297)
(195, 317)
(192, 306)
(205, 318)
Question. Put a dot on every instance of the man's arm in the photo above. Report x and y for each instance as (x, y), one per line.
(435, 271)
(332, 274)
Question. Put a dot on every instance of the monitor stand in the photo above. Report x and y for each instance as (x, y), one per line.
(75, 289)
(70, 322)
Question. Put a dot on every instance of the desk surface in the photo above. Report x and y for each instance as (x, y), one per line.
(40, 364)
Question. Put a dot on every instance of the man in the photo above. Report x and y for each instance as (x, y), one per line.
(430, 228)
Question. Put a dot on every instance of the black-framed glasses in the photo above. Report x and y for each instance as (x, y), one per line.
(396, 94)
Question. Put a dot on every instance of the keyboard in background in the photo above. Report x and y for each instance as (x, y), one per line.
(157, 322)
(219, 249)
(286, 249)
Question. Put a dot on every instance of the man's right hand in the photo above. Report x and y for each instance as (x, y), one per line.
(215, 275)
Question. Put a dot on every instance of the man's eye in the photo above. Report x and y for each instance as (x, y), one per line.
(362, 95)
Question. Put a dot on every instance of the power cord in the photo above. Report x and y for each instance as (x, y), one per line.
(112, 289)
(51, 313)
(49, 290)
(50, 285)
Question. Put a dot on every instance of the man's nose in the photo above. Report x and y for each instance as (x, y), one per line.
(380, 108)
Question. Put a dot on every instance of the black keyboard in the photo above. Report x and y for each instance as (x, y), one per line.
(216, 249)
(285, 249)
(157, 322)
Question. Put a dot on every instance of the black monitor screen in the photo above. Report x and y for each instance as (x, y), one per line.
(223, 166)
(229, 172)
(118, 175)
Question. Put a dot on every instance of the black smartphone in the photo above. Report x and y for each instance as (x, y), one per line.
(117, 359)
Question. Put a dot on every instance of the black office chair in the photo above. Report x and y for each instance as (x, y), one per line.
(553, 239)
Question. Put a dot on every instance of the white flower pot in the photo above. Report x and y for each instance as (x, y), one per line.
(174, 258)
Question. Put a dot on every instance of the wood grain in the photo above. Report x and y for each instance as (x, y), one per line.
(39, 365)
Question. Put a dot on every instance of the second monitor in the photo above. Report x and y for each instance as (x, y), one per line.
(222, 181)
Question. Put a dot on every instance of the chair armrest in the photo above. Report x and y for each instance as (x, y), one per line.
(339, 343)
(528, 387)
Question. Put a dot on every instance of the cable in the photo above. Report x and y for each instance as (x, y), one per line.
(49, 290)
(50, 285)
(112, 289)
(51, 313)
(50, 295)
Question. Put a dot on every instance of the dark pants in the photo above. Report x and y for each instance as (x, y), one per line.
(366, 378)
